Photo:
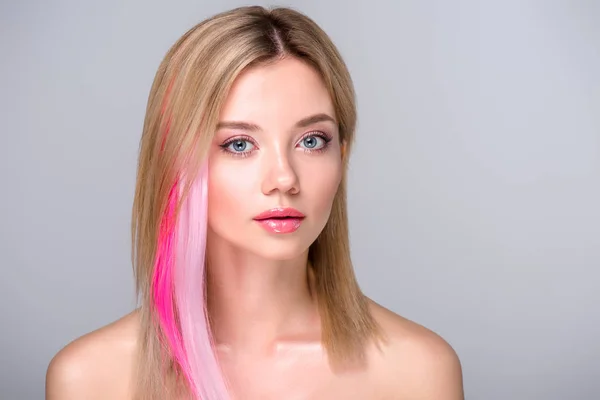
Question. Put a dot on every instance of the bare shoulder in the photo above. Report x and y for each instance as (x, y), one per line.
(97, 365)
(415, 362)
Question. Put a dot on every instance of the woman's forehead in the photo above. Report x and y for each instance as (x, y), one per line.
(287, 90)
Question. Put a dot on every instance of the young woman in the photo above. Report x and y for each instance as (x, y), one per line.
(240, 237)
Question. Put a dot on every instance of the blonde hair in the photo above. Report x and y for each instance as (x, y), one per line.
(186, 97)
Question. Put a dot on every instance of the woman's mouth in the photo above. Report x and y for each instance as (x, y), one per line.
(280, 220)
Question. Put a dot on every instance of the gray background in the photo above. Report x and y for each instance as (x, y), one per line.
(474, 190)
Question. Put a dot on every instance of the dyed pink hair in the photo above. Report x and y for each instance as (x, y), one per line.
(179, 288)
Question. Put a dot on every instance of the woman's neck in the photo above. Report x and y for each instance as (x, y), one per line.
(255, 304)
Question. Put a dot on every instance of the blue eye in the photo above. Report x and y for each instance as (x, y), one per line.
(239, 146)
(313, 142)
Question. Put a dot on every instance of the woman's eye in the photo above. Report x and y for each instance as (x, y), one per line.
(239, 146)
(313, 142)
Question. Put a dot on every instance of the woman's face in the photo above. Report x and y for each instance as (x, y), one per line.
(277, 147)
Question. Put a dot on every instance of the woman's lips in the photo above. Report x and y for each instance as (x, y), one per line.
(280, 220)
(280, 225)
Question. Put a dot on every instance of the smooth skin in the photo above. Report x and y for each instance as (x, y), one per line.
(277, 145)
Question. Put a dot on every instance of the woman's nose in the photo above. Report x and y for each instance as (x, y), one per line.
(279, 174)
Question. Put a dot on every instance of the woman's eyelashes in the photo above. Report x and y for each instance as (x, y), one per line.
(240, 146)
(243, 146)
(315, 141)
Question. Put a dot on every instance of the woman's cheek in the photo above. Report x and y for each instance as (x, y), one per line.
(228, 195)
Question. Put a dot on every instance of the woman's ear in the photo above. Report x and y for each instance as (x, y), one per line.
(343, 149)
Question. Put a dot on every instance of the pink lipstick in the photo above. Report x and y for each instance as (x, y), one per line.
(280, 220)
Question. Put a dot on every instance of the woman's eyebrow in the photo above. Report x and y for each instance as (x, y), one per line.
(238, 125)
(313, 119)
(250, 127)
